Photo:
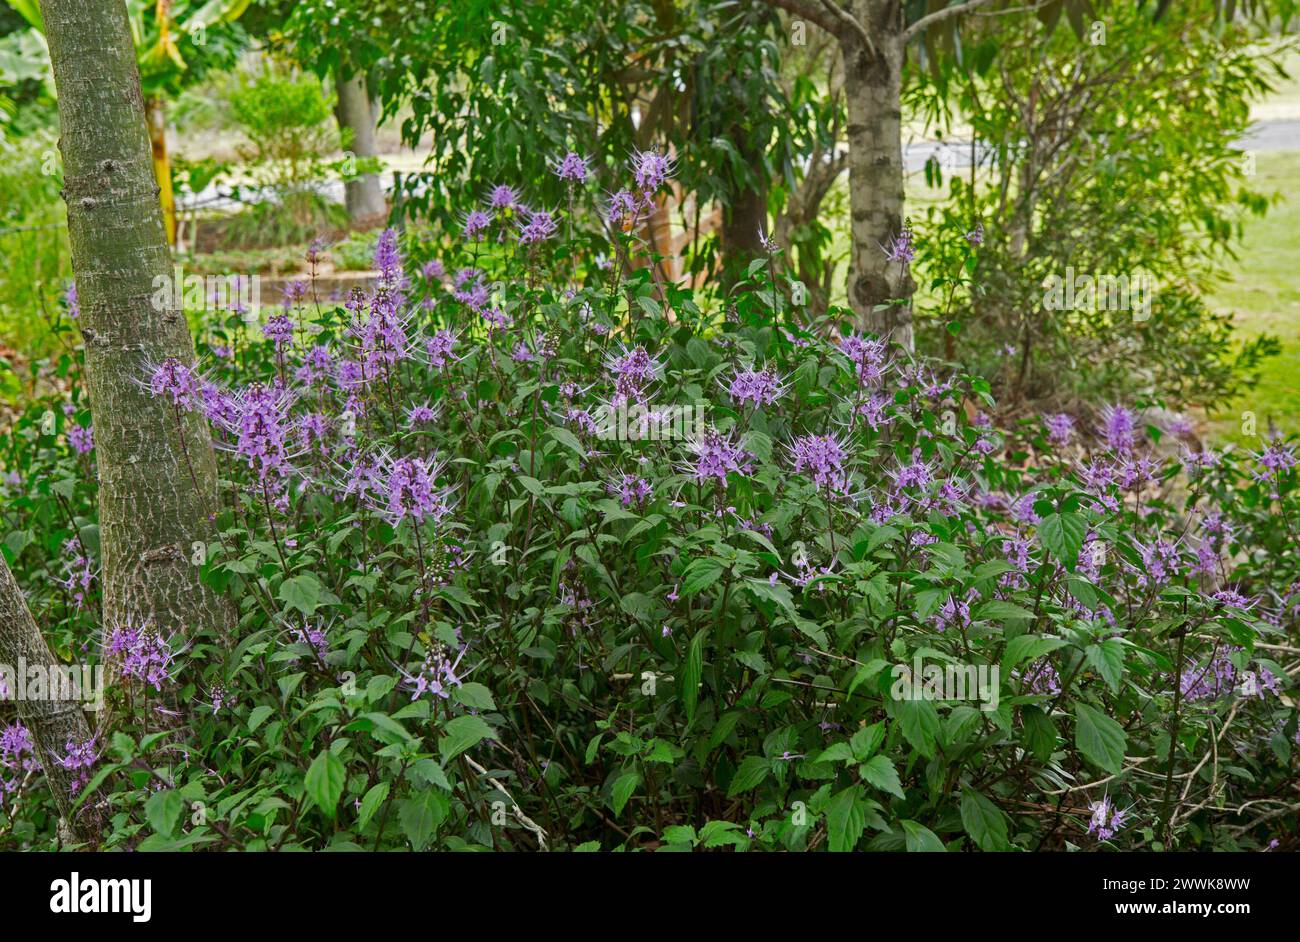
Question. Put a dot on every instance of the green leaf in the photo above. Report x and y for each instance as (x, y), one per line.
(921, 839)
(163, 809)
(880, 772)
(371, 803)
(752, 771)
(475, 696)
(1062, 535)
(692, 671)
(983, 821)
(920, 724)
(462, 733)
(1099, 738)
(623, 788)
(305, 593)
(257, 716)
(421, 815)
(1039, 732)
(324, 782)
(845, 820)
(700, 574)
(568, 440)
(1025, 648)
(998, 610)
(1107, 659)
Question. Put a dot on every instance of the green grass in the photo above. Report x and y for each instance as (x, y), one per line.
(1263, 295)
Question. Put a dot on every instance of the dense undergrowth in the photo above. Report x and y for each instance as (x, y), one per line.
(529, 550)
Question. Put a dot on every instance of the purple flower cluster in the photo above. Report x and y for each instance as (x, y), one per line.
(1106, 819)
(174, 379)
(80, 758)
(436, 676)
(81, 438)
(630, 489)
(141, 655)
(716, 455)
(823, 458)
(755, 387)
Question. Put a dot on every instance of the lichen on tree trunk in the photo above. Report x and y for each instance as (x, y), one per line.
(364, 195)
(52, 723)
(154, 495)
(879, 291)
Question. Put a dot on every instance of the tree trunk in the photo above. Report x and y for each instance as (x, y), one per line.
(51, 723)
(364, 195)
(873, 89)
(155, 486)
(744, 217)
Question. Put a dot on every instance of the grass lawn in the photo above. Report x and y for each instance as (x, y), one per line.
(1264, 296)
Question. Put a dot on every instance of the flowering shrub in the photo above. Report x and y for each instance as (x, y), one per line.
(473, 611)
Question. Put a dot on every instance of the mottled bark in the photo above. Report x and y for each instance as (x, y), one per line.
(155, 488)
(873, 90)
(51, 723)
(364, 195)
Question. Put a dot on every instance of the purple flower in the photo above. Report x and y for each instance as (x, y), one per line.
(436, 676)
(407, 488)
(540, 226)
(1040, 677)
(900, 249)
(823, 458)
(141, 654)
(70, 298)
(173, 378)
(1060, 428)
(504, 198)
(1106, 819)
(421, 415)
(976, 235)
(651, 170)
(80, 756)
(622, 210)
(1275, 460)
(633, 370)
(81, 438)
(388, 260)
(756, 387)
(716, 455)
(475, 223)
(279, 329)
(953, 613)
(439, 347)
(630, 489)
(868, 357)
(434, 270)
(572, 168)
(1119, 427)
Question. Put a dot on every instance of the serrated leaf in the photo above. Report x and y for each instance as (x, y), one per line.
(1101, 740)
(324, 782)
(983, 821)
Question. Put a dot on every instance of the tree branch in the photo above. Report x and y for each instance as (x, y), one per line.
(938, 16)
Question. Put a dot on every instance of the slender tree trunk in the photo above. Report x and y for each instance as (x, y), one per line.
(744, 217)
(154, 492)
(156, 110)
(51, 723)
(873, 89)
(364, 195)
